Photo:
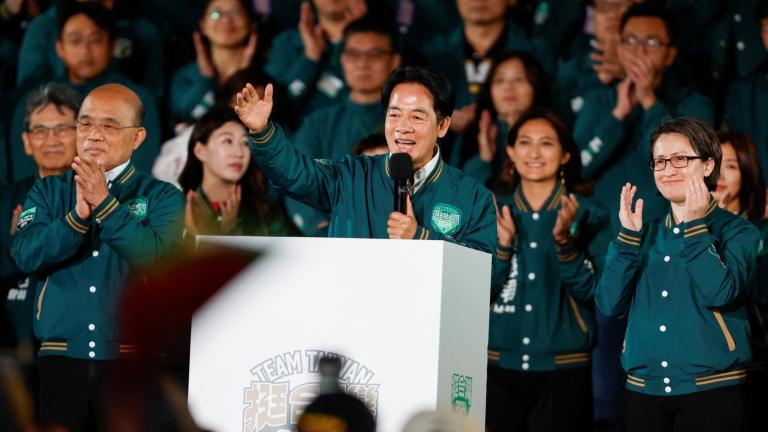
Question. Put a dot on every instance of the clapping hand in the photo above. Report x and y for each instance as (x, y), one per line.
(505, 225)
(696, 198)
(631, 220)
(569, 207)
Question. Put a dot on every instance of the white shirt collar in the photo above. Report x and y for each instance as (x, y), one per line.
(112, 174)
(420, 175)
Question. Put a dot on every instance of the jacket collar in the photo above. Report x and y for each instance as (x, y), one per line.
(552, 202)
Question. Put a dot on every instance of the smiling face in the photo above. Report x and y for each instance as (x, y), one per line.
(671, 181)
(412, 126)
(225, 23)
(226, 155)
(729, 181)
(511, 92)
(537, 153)
(116, 132)
(50, 140)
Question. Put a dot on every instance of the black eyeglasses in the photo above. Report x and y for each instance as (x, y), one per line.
(677, 161)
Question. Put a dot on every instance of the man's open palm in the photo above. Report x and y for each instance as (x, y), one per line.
(253, 110)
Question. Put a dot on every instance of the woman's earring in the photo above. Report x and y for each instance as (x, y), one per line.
(562, 175)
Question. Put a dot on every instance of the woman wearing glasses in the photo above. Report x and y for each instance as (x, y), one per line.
(225, 44)
(541, 322)
(681, 279)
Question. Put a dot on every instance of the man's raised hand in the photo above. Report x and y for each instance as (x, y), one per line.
(254, 111)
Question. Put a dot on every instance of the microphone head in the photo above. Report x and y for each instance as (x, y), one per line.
(400, 166)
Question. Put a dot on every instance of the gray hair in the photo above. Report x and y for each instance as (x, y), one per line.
(54, 94)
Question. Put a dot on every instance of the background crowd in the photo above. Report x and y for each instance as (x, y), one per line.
(603, 75)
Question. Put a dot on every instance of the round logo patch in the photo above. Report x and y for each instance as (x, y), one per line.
(446, 219)
(137, 207)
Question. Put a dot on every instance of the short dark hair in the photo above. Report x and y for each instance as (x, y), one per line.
(442, 94)
(94, 10)
(571, 170)
(645, 10)
(372, 141)
(371, 24)
(58, 95)
(752, 193)
(703, 141)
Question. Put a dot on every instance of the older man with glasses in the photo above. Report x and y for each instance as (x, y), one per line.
(49, 139)
(82, 234)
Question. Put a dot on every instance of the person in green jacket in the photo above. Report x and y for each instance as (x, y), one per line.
(681, 279)
(226, 193)
(306, 60)
(369, 54)
(443, 203)
(49, 139)
(614, 125)
(516, 84)
(466, 55)
(741, 191)
(594, 61)
(138, 47)
(85, 45)
(82, 235)
(541, 324)
(225, 44)
(747, 102)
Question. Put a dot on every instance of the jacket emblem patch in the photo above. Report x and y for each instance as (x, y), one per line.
(137, 207)
(446, 218)
(26, 218)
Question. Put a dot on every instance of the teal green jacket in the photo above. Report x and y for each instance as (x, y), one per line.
(357, 192)
(331, 133)
(575, 78)
(541, 318)
(447, 54)
(556, 22)
(757, 308)
(746, 109)
(81, 266)
(682, 286)
(23, 166)
(313, 84)
(138, 52)
(481, 170)
(191, 94)
(14, 282)
(273, 221)
(615, 152)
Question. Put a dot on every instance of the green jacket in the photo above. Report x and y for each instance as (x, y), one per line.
(313, 84)
(615, 152)
(757, 308)
(682, 286)
(138, 52)
(541, 316)
(14, 284)
(481, 170)
(208, 220)
(575, 79)
(331, 133)
(448, 53)
(81, 265)
(191, 94)
(23, 166)
(746, 109)
(357, 192)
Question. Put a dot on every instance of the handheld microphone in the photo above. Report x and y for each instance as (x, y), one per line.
(401, 170)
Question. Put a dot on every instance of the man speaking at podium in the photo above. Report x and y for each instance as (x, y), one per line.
(442, 203)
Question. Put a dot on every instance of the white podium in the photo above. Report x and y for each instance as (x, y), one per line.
(408, 318)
